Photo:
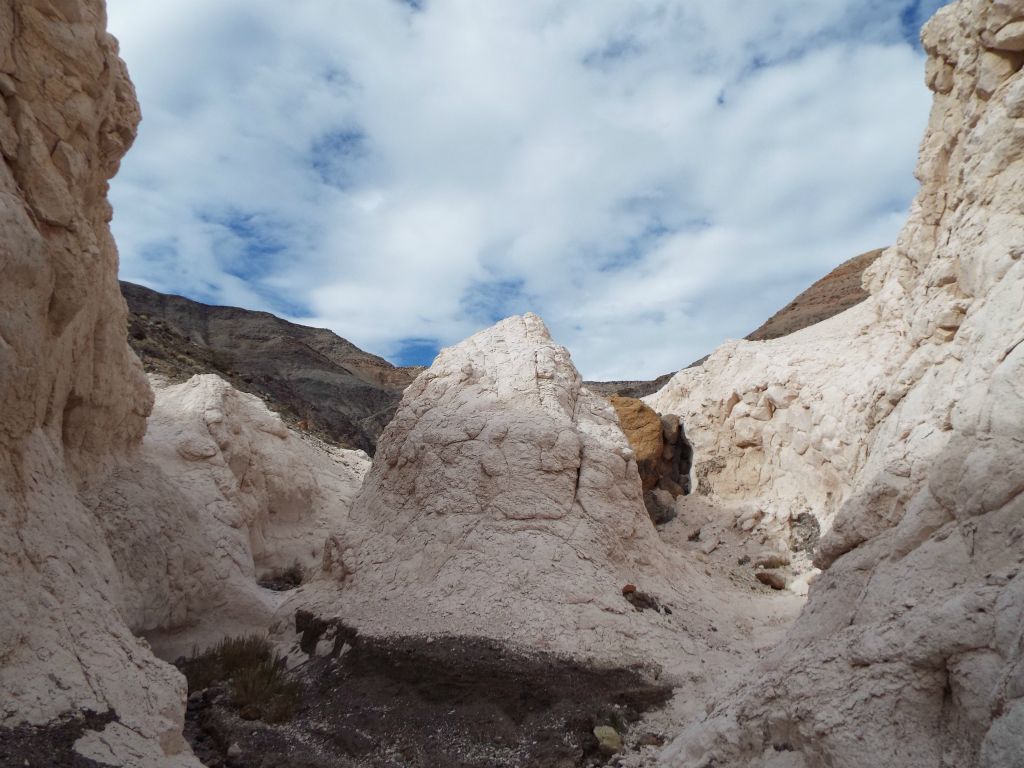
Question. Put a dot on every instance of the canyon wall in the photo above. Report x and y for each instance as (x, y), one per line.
(103, 534)
(75, 398)
(900, 423)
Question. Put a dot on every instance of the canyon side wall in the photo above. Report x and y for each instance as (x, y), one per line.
(900, 424)
(75, 398)
(106, 535)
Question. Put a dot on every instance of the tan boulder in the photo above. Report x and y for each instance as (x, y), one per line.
(642, 426)
(663, 454)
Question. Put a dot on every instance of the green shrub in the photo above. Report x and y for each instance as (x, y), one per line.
(239, 653)
(266, 689)
(256, 676)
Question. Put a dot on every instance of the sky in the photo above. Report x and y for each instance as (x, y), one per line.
(651, 177)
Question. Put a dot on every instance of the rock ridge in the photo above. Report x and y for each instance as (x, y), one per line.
(317, 380)
(899, 425)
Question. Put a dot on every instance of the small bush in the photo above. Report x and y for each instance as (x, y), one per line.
(239, 653)
(266, 689)
(256, 676)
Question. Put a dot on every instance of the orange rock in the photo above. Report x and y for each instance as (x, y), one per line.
(642, 426)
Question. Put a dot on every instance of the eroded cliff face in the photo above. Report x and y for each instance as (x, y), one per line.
(901, 425)
(103, 535)
(74, 396)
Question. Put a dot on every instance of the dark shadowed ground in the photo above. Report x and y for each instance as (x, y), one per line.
(454, 702)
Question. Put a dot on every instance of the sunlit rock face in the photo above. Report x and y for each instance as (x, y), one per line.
(75, 399)
(901, 424)
(504, 501)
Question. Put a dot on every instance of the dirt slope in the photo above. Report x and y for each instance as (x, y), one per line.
(836, 292)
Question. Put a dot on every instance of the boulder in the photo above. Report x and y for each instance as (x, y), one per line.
(663, 454)
(505, 502)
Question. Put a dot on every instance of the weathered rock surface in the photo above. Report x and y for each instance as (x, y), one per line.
(221, 494)
(906, 441)
(663, 454)
(75, 398)
(505, 502)
(311, 375)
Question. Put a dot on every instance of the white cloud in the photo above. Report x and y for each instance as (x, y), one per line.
(650, 178)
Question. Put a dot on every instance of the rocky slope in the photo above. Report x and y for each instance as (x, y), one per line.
(311, 376)
(837, 292)
(898, 423)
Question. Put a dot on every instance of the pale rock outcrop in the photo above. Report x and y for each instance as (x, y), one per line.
(911, 649)
(101, 534)
(785, 422)
(74, 396)
(221, 493)
(504, 502)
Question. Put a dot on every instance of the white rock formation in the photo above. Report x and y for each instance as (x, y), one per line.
(910, 410)
(221, 493)
(505, 502)
(785, 423)
(100, 536)
(74, 396)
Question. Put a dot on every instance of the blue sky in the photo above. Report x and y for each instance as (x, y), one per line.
(651, 178)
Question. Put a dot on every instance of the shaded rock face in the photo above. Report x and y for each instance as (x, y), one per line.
(504, 502)
(311, 375)
(663, 454)
(75, 398)
(913, 633)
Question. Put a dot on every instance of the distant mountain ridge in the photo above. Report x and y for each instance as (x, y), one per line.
(836, 292)
(311, 376)
(315, 378)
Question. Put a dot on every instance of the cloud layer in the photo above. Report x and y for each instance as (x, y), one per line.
(650, 178)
